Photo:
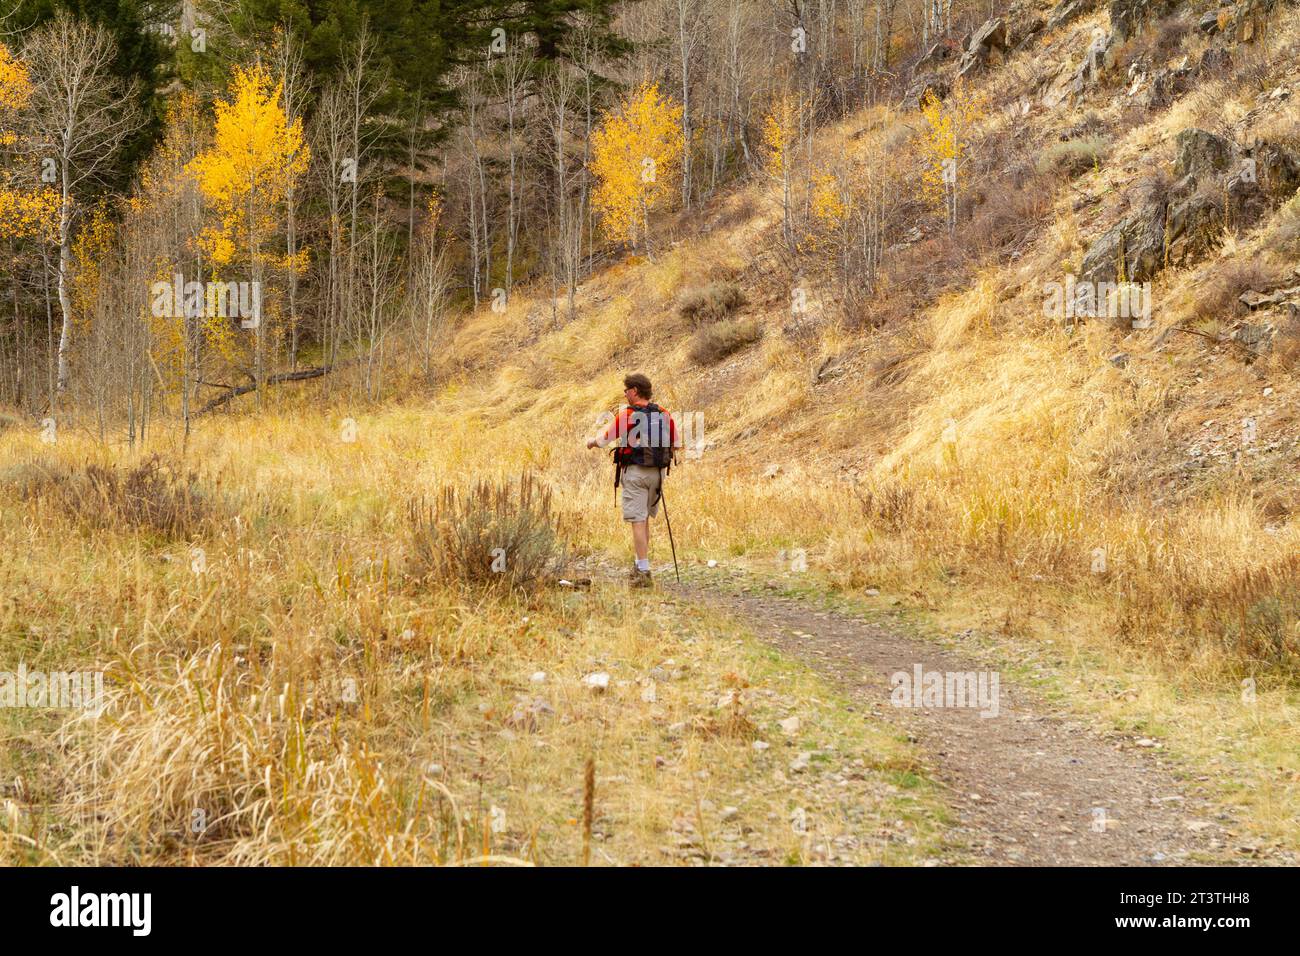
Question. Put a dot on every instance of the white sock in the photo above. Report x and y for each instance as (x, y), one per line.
(643, 564)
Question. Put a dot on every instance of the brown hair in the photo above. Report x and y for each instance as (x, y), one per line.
(639, 382)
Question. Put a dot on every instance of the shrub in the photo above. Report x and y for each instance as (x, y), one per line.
(1074, 157)
(493, 534)
(710, 303)
(713, 343)
(27, 479)
(153, 496)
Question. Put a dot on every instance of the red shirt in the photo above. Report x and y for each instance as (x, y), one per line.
(621, 427)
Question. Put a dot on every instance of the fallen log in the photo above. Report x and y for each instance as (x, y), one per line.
(237, 390)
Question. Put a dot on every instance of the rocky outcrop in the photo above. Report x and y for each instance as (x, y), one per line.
(1127, 17)
(1212, 21)
(1133, 249)
(1198, 153)
(987, 46)
(1089, 72)
(1067, 11)
(1215, 182)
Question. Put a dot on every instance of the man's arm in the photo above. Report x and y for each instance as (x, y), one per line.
(608, 434)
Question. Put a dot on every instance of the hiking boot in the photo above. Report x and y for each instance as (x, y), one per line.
(639, 578)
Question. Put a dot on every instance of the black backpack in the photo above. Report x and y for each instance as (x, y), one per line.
(649, 438)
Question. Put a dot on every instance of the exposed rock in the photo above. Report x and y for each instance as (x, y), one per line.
(1135, 245)
(1268, 175)
(942, 52)
(1128, 16)
(1025, 32)
(1257, 338)
(1119, 360)
(1066, 11)
(1192, 226)
(1089, 72)
(923, 84)
(1200, 153)
(1277, 170)
(1209, 23)
(1257, 300)
(986, 45)
(1213, 60)
(991, 36)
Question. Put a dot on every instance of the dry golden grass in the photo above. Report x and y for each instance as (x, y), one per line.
(283, 691)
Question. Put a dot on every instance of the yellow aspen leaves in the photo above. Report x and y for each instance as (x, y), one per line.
(25, 212)
(634, 152)
(945, 141)
(255, 157)
(780, 132)
(15, 82)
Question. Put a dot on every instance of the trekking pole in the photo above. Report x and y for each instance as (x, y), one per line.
(671, 543)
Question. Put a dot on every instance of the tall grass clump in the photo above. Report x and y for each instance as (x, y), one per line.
(154, 496)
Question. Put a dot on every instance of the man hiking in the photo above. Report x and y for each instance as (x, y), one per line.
(646, 437)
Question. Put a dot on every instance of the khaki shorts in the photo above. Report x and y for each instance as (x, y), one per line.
(640, 492)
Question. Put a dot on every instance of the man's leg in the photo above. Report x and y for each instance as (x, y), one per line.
(641, 539)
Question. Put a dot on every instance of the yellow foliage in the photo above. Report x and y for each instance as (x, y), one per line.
(780, 130)
(29, 214)
(945, 141)
(246, 174)
(15, 83)
(90, 250)
(828, 204)
(24, 213)
(635, 150)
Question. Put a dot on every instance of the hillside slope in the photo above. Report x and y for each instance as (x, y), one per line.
(981, 432)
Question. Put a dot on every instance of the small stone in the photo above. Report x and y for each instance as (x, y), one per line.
(648, 693)
(800, 763)
(761, 745)
(712, 563)
(598, 682)
(539, 677)
(730, 813)
(872, 592)
(433, 770)
(790, 725)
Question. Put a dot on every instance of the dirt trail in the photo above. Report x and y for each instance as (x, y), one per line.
(1026, 786)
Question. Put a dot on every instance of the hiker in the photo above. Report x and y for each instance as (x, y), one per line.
(647, 445)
